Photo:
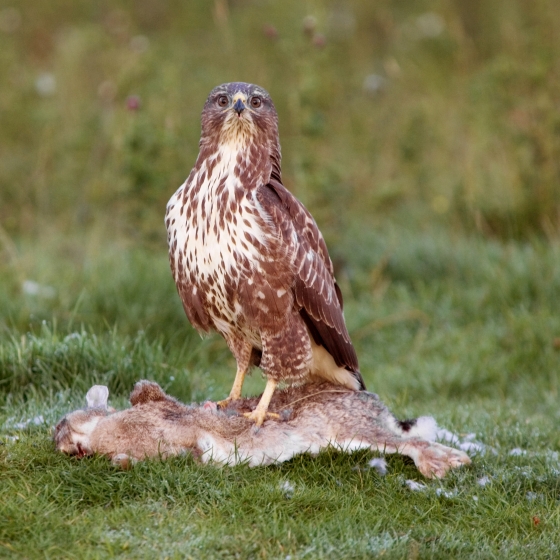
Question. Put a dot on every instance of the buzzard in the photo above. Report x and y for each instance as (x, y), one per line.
(248, 258)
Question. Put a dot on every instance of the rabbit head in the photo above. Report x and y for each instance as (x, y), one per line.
(72, 433)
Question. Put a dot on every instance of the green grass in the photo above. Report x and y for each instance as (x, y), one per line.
(461, 329)
(60, 507)
(438, 194)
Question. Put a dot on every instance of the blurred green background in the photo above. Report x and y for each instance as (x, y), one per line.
(423, 136)
(446, 111)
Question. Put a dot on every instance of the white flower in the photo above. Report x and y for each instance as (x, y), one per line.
(31, 288)
(374, 83)
(45, 84)
(430, 24)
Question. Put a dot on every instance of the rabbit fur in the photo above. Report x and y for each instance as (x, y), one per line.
(312, 417)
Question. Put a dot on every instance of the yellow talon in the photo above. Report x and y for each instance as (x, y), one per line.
(259, 417)
(260, 413)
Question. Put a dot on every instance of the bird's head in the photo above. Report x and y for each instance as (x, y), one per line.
(240, 112)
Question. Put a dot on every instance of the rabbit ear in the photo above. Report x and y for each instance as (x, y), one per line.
(97, 397)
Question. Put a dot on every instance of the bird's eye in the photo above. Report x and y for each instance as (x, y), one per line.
(256, 102)
(223, 101)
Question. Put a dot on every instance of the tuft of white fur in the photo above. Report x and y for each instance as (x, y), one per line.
(350, 445)
(284, 449)
(472, 447)
(379, 464)
(447, 436)
(415, 486)
(425, 428)
(217, 451)
(465, 443)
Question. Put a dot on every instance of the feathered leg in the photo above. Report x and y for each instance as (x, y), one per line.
(286, 357)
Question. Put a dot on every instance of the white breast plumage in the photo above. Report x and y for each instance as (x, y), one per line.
(213, 219)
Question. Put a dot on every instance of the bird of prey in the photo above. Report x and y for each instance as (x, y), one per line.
(248, 258)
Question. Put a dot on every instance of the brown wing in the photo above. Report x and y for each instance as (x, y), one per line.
(315, 290)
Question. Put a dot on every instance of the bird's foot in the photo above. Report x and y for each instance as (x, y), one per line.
(259, 416)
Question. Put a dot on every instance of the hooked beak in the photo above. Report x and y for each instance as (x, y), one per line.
(239, 106)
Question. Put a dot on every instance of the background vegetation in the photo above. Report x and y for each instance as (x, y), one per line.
(425, 139)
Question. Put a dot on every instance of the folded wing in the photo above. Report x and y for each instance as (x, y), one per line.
(315, 290)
